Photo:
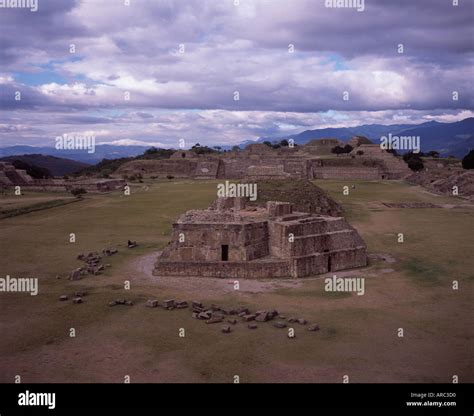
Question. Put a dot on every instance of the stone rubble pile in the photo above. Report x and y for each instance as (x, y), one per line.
(77, 298)
(214, 314)
(92, 263)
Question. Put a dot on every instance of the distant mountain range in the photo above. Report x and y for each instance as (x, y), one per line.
(447, 138)
(57, 166)
(102, 151)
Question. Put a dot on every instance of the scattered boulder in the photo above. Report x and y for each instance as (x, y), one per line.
(232, 321)
(131, 244)
(291, 320)
(109, 251)
(279, 324)
(226, 329)
(79, 294)
(128, 303)
(243, 310)
(215, 320)
(77, 300)
(249, 317)
(302, 321)
(75, 274)
(113, 303)
(196, 304)
(313, 327)
(63, 298)
(263, 316)
(151, 303)
(181, 305)
(204, 315)
(169, 303)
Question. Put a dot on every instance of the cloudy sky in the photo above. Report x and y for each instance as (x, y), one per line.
(225, 71)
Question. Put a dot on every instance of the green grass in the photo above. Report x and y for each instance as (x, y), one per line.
(357, 336)
(38, 206)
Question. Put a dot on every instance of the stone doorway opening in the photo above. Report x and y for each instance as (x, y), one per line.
(225, 253)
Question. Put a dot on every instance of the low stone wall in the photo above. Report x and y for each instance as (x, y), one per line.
(235, 270)
(347, 173)
(328, 262)
(179, 168)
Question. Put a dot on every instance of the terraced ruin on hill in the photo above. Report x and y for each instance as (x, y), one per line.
(258, 162)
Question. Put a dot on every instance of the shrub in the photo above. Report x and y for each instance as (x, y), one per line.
(78, 192)
(468, 160)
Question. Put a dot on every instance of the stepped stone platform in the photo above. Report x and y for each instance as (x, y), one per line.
(11, 177)
(313, 160)
(231, 240)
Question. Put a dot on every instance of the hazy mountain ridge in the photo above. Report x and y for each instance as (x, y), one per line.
(455, 139)
(56, 166)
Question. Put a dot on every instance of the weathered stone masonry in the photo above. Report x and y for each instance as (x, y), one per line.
(229, 240)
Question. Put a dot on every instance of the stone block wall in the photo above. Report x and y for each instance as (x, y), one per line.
(236, 270)
(204, 243)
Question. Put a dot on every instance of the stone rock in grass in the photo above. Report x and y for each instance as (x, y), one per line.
(168, 303)
(215, 320)
(204, 315)
(151, 303)
(313, 327)
(75, 274)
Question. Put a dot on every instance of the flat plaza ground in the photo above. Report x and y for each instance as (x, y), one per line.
(358, 335)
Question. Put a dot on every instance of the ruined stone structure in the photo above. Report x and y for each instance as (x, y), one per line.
(258, 162)
(10, 177)
(230, 240)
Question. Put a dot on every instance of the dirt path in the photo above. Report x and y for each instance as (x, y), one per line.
(141, 269)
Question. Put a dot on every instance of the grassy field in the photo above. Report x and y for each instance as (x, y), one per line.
(358, 334)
